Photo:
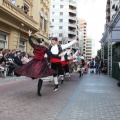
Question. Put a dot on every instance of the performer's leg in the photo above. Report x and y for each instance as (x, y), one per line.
(40, 82)
(66, 69)
(55, 81)
(60, 71)
(55, 78)
(80, 73)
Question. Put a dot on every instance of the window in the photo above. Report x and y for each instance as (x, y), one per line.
(60, 35)
(53, 6)
(61, 13)
(52, 13)
(61, 0)
(52, 20)
(60, 27)
(26, 8)
(3, 40)
(41, 22)
(60, 42)
(45, 25)
(22, 45)
(61, 6)
(61, 20)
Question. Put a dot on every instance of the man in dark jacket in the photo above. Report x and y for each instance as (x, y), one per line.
(17, 59)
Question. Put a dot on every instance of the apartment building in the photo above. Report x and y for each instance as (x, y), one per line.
(111, 9)
(19, 16)
(88, 48)
(83, 30)
(64, 21)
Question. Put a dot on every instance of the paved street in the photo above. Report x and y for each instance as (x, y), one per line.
(92, 97)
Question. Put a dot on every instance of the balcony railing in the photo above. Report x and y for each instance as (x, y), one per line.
(74, 4)
(108, 1)
(18, 14)
(72, 32)
(73, 11)
(72, 25)
(73, 18)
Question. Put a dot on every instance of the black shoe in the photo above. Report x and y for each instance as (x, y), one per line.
(69, 78)
(62, 81)
(56, 87)
(39, 94)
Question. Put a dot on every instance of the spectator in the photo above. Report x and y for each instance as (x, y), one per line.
(18, 6)
(26, 11)
(22, 8)
(17, 59)
(104, 69)
(97, 65)
(12, 54)
(25, 58)
(11, 66)
(13, 2)
(2, 66)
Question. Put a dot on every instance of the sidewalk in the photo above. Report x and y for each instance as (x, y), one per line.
(97, 97)
(11, 79)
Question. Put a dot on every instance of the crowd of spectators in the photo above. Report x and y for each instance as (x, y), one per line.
(22, 8)
(10, 59)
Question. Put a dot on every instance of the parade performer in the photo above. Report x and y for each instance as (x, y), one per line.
(36, 68)
(65, 60)
(55, 60)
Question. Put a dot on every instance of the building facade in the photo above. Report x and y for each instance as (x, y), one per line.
(89, 48)
(83, 30)
(112, 7)
(64, 22)
(19, 16)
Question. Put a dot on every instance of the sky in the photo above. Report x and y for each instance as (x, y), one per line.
(93, 11)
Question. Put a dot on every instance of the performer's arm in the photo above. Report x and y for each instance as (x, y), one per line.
(69, 51)
(69, 44)
(31, 42)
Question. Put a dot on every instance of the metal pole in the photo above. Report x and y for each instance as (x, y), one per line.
(110, 55)
(102, 51)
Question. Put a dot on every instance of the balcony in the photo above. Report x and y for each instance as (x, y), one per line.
(71, 32)
(113, 6)
(108, 1)
(108, 10)
(108, 17)
(72, 25)
(73, 5)
(72, 18)
(13, 16)
(72, 11)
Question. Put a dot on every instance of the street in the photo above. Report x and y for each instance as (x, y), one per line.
(91, 97)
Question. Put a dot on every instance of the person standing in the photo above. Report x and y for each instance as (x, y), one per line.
(97, 65)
